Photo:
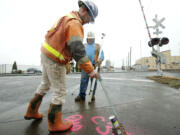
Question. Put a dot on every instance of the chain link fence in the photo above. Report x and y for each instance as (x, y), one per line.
(5, 68)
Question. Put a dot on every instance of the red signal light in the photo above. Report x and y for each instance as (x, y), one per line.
(164, 41)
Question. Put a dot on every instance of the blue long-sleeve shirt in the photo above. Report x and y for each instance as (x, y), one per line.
(90, 52)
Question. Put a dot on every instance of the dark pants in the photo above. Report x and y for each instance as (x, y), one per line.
(84, 84)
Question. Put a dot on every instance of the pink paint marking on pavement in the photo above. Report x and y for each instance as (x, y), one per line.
(106, 132)
(76, 122)
(94, 118)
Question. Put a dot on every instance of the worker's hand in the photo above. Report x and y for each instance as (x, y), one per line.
(94, 74)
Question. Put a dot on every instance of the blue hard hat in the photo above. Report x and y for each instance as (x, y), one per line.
(91, 7)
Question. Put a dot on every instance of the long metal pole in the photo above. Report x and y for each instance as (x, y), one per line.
(109, 100)
(122, 130)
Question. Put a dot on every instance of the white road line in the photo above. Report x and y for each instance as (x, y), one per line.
(120, 79)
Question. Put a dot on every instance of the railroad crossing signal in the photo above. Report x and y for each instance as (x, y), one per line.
(160, 59)
(158, 41)
(158, 23)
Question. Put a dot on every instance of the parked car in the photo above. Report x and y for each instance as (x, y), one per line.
(17, 72)
(33, 70)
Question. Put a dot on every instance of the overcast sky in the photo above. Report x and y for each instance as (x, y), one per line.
(23, 24)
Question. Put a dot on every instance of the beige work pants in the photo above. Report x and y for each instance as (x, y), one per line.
(54, 76)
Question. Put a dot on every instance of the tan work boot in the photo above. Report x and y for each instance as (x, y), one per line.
(55, 122)
(33, 107)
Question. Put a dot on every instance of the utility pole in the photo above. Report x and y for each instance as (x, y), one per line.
(126, 62)
(140, 50)
(123, 67)
(5, 68)
(130, 58)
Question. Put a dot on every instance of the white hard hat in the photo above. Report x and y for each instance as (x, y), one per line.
(90, 35)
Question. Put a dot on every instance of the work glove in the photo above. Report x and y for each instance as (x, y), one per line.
(98, 63)
(68, 68)
(93, 74)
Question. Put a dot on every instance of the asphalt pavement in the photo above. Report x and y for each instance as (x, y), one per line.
(144, 107)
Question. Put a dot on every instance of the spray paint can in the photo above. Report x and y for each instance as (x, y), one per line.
(115, 124)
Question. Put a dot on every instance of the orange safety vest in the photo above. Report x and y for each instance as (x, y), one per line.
(55, 45)
(97, 49)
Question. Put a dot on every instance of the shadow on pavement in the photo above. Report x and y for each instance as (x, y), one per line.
(33, 128)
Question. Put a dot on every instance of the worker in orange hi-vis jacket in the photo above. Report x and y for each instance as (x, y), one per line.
(62, 43)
